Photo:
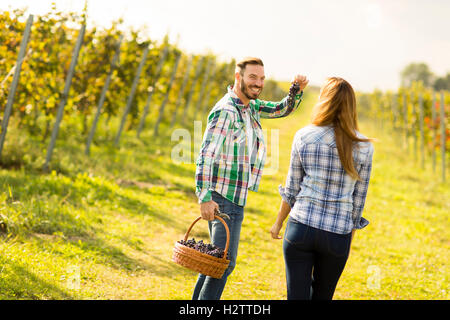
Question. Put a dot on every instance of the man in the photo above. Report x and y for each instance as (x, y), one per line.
(231, 160)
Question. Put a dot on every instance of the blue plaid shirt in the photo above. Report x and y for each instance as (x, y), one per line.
(321, 194)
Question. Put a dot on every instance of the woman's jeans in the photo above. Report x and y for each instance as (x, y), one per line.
(208, 288)
(314, 260)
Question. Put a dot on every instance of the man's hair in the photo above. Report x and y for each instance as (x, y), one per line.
(240, 66)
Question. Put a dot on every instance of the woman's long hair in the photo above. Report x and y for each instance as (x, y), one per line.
(337, 107)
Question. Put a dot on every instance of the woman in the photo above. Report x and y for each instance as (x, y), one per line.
(324, 195)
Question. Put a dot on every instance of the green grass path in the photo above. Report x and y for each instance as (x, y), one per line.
(113, 219)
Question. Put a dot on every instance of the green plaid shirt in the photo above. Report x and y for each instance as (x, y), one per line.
(223, 162)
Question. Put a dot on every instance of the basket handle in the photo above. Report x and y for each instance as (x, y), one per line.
(226, 229)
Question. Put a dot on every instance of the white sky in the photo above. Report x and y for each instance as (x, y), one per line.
(367, 42)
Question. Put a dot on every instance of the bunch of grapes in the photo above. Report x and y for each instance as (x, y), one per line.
(293, 90)
(204, 247)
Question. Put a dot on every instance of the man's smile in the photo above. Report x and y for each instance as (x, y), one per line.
(255, 89)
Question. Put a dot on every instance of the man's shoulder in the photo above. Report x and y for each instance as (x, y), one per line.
(224, 105)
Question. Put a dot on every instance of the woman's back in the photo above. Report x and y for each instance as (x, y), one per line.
(321, 193)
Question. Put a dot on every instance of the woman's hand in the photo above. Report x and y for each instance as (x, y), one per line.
(282, 215)
(275, 230)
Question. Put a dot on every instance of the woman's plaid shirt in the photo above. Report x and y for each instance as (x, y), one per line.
(223, 162)
(319, 191)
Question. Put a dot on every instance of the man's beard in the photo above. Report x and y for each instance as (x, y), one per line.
(245, 90)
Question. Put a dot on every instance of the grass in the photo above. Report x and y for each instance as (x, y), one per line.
(112, 219)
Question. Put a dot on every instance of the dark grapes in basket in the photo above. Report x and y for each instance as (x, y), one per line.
(204, 247)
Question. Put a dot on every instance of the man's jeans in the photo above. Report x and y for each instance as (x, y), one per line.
(208, 288)
(306, 249)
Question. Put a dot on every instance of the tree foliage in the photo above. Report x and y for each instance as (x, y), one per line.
(416, 72)
(421, 72)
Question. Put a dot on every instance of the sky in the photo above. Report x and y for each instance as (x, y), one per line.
(366, 42)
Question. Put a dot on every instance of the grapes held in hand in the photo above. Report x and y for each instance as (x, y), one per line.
(204, 247)
(293, 90)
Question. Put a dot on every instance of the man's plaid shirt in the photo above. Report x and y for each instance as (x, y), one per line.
(223, 162)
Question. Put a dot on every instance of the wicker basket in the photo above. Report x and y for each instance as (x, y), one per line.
(202, 262)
